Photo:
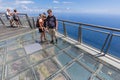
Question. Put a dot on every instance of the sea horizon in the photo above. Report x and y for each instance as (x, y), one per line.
(106, 20)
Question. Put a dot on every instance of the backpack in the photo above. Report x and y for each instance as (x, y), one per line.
(37, 23)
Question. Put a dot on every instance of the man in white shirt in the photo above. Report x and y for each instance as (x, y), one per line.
(9, 16)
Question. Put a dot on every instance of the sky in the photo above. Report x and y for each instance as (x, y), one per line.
(63, 6)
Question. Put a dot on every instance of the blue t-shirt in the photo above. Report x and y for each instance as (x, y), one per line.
(51, 21)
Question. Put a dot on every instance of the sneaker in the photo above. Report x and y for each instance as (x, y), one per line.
(52, 41)
(56, 41)
(45, 39)
(41, 41)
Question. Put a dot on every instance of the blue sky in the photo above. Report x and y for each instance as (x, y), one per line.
(63, 6)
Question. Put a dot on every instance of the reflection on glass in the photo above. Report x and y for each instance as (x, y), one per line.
(27, 75)
(13, 55)
(16, 67)
(36, 57)
(45, 69)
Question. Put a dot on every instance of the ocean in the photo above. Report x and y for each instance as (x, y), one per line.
(96, 19)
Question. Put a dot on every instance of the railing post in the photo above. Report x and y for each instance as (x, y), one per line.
(33, 22)
(19, 20)
(80, 33)
(28, 21)
(109, 44)
(106, 40)
(64, 28)
(2, 21)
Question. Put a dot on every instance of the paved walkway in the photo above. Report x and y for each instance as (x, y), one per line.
(6, 32)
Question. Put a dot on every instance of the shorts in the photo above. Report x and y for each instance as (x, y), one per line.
(40, 30)
(16, 20)
(52, 32)
(10, 18)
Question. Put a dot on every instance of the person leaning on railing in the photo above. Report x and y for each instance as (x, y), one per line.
(52, 25)
(16, 18)
(9, 16)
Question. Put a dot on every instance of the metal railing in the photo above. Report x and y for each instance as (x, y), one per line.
(24, 20)
(77, 31)
(99, 37)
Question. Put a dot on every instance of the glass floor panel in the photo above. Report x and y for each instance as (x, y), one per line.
(15, 67)
(90, 61)
(61, 61)
(15, 54)
(45, 69)
(78, 72)
(109, 73)
(37, 57)
(59, 77)
(26, 75)
(63, 58)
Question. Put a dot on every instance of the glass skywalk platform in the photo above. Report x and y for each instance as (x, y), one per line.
(23, 57)
(83, 52)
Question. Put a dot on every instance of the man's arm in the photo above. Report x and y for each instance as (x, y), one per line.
(56, 24)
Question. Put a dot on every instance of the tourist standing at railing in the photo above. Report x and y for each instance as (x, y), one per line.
(16, 18)
(42, 27)
(9, 16)
(52, 25)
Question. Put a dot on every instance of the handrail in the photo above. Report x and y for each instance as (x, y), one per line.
(108, 34)
(96, 28)
(2, 21)
(28, 20)
(91, 25)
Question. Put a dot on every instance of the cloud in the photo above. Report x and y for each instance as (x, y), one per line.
(99, 11)
(4, 8)
(24, 7)
(24, 2)
(67, 8)
(67, 2)
(55, 7)
(55, 1)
